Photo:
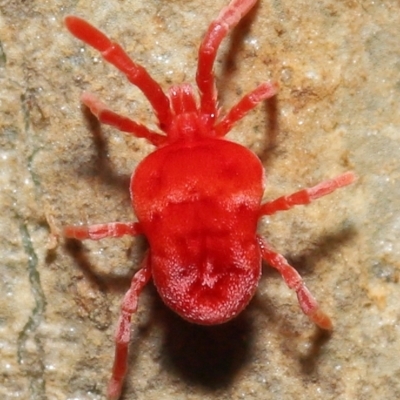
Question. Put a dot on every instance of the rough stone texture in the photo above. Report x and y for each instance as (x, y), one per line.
(338, 65)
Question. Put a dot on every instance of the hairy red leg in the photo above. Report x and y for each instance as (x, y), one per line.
(114, 54)
(100, 231)
(218, 29)
(247, 103)
(123, 332)
(124, 124)
(292, 278)
(306, 196)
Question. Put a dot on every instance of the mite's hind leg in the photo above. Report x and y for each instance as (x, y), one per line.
(306, 196)
(100, 231)
(292, 278)
(123, 332)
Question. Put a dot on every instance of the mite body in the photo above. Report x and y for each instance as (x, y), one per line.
(205, 268)
(197, 197)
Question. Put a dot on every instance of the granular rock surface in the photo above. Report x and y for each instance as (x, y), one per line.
(338, 68)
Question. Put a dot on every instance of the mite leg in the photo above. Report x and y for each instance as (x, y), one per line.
(292, 278)
(228, 18)
(246, 104)
(100, 231)
(306, 196)
(124, 124)
(114, 54)
(123, 332)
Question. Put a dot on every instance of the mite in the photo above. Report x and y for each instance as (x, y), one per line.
(197, 197)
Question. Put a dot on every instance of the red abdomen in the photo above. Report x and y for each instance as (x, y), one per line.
(198, 204)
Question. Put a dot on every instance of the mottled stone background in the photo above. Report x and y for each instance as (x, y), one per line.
(338, 109)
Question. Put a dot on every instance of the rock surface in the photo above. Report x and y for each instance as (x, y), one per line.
(338, 66)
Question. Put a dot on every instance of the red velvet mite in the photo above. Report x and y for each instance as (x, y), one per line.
(197, 197)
